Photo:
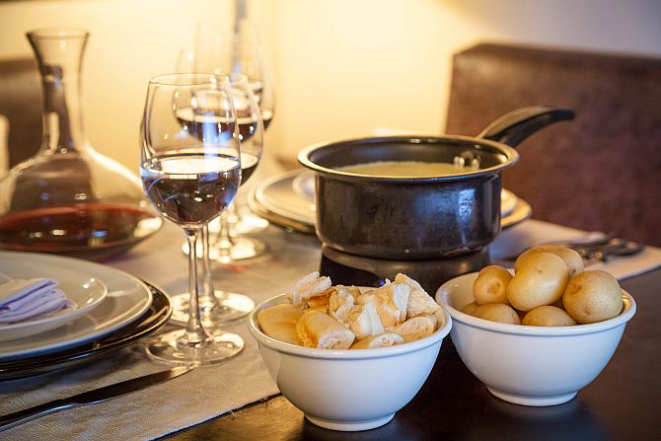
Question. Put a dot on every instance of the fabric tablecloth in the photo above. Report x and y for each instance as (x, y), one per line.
(209, 391)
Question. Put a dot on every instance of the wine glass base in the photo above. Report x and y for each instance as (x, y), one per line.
(250, 223)
(171, 348)
(232, 307)
(242, 248)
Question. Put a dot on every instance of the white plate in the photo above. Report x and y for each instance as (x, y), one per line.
(508, 201)
(83, 289)
(303, 186)
(277, 195)
(288, 200)
(127, 299)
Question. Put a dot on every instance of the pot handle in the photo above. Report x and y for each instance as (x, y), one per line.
(513, 127)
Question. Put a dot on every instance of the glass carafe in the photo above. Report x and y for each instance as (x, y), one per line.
(69, 198)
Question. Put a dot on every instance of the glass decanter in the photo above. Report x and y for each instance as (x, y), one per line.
(69, 198)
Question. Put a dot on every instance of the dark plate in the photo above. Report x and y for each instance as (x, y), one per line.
(156, 317)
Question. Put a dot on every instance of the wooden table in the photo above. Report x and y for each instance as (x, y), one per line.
(623, 403)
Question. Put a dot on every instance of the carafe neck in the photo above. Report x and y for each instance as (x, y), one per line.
(59, 56)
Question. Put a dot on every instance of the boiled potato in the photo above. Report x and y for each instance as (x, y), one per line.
(497, 312)
(573, 260)
(540, 281)
(490, 285)
(548, 316)
(593, 296)
(470, 308)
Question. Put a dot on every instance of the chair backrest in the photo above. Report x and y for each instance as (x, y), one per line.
(21, 104)
(601, 171)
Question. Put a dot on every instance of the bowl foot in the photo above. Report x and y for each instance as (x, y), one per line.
(350, 426)
(532, 401)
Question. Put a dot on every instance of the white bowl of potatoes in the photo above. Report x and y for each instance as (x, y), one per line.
(537, 335)
(349, 357)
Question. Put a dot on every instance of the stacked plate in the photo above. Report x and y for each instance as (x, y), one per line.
(114, 309)
(288, 200)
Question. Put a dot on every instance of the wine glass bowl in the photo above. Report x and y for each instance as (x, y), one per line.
(239, 51)
(191, 171)
(246, 103)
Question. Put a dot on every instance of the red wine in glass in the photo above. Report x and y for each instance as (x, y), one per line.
(249, 163)
(267, 116)
(195, 120)
(191, 188)
(257, 87)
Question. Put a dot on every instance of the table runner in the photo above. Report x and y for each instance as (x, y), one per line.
(210, 391)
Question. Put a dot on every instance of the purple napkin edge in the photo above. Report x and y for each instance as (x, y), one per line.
(37, 285)
(51, 306)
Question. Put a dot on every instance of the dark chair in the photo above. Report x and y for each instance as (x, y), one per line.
(21, 103)
(601, 171)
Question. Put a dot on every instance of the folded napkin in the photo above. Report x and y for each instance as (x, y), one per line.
(517, 239)
(22, 300)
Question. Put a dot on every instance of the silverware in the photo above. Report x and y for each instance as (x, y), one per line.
(92, 397)
(613, 248)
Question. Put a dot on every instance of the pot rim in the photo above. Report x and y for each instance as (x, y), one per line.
(510, 153)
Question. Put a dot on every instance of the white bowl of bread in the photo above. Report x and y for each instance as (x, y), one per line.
(350, 357)
(537, 335)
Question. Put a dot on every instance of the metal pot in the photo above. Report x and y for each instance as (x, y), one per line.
(418, 218)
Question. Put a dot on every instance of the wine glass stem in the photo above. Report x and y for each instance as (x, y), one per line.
(208, 297)
(233, 217)
(224, 239)
(195, 334)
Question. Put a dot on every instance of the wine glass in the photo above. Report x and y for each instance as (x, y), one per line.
(191, 171)
(216, 306)
(240, 52)
(251, 127)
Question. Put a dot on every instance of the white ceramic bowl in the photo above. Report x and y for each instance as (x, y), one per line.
(348, 389)
(530, 365)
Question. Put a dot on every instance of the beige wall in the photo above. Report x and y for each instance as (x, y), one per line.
(131, 41)
(343, 68)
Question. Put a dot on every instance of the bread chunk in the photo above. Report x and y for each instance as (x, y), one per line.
(364, 321)
(378, 341)
(309, 286)
(319, 330)
(320, 301)
(415, 328)
(396, 295)
(279, 322)
(340, 303)
(419, 301)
